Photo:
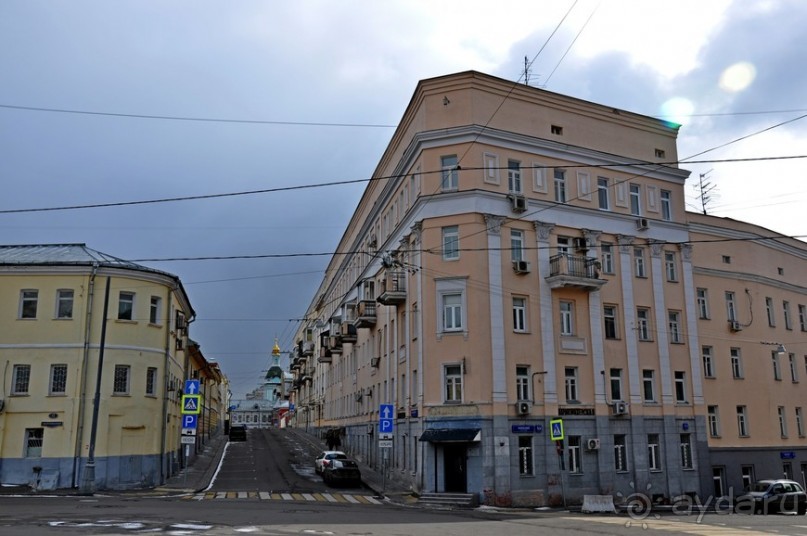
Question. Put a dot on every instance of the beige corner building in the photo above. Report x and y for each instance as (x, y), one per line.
(58, 354)
(522, 257)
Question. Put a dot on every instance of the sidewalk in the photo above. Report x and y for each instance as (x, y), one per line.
(199, 473)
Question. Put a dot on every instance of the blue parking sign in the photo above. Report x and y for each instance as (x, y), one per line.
(189, 421)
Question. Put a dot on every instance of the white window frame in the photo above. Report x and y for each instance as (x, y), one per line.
(736, 363)
(731, 306)
(566, 309)
(151, 381)
(450, 242)
(643, 324)
(603, 198)
(713, 416)
(610, 322)
(640, 269)
(742, 421)
(452, 383)
(125, 298)
(769, 311)
(526, 464)
(787, 316)
(514, 184)
(666, 205)
(520, 314)
(615, 380)
(621, 453)
(29, 304)
(607, 257)
(680, 379)
(635, 199)
(708, 362)
(575, 465)
(57, 379)
(777, 366)
(571, 384)
(64, 304)
(516, 245)
(122, 374)
(559, 182)
(653, 452)
(649, 386)
(703, 303)
(802, 317)
(674, 324)
(782, 416)
(449, 179)
(800, 421)
(20, 379)
(523, 391)
(671, 266)
(34, 442)
(686, 451)
(155, 310)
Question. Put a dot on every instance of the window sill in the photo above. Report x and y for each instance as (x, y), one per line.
(63, 318)
(20, 394)
(121, 394)
(153, 325)
(57, 394)
(125, 321)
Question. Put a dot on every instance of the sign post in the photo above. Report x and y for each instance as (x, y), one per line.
(386, 425)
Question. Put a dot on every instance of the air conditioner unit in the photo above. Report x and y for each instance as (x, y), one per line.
(521, 267)
(619, 408)
(593, 444)
(519, 202)
(735, 325)
(642, 224)
(523, 407)
(580, 244)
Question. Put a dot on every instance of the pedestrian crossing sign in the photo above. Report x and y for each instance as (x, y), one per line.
(556, 429)
(191, 404)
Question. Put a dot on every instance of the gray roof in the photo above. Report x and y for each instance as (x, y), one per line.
(61, 254)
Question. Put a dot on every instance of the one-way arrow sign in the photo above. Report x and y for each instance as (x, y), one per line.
(191, 387)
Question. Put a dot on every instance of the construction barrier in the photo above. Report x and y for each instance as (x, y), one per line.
(598, 503)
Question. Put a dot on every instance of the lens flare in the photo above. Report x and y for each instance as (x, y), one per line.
(737, 77)
(677, 110)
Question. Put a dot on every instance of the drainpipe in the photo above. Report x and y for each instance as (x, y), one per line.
(83, 376)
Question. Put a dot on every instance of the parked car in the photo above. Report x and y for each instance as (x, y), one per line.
(324, 458)
(238, 432)
(341, 471)
(769, 496)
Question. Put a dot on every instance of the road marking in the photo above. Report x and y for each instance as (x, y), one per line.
(264, 495)
(351, 498)
(666, 524)
(329, 497)
(286, 496)
(309, 497)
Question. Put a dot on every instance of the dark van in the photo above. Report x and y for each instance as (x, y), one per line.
(238, 432)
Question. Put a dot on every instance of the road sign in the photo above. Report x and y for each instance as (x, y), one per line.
(556, 429)
(187, 440)
(191, 404)
(385, 423)
(191, 387)
(385, 443)
(189, 431)
(384, 435)
(189, 421)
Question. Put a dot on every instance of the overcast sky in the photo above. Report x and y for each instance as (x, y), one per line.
(310, 92)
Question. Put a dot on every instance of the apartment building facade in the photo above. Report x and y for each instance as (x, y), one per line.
(53, 299)
(522, 257)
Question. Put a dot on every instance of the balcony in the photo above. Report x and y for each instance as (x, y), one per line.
(365, 314)
(325, 356)
(335, 343)
(574, 271)
(348, 331)
(393, 288)
(308, 349)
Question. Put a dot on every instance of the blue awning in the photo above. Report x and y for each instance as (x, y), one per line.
(451, 435)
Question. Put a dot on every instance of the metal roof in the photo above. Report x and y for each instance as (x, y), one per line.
(62, 254)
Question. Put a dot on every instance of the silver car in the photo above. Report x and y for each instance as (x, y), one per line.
(770, 496)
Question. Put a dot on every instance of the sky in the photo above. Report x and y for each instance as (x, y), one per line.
(114, 102)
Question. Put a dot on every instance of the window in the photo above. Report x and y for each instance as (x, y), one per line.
(453, 383)
(450, 173)
(742, 421)
(736, 364)
(64, 303)
(525, 465)
(34, 439)
(648, 385)
(660, 153)
(452, 312)
(514, 176)
(556, 130)
(748, 476)
(602, 193)
(58, 380)
(563, 245)
(120, 384)
(609, 317)
(777, 368)
(620, 453)
(714, 421)
(566, 318)
(607, 258)
(794, 369)
(21, 379)
(516, 245)
(780, 412)
(703, 303)
(635, 206)
(802, 318)
(638, 262)
(520, 314)
(126, 306)
(653, 452)
(616, 384)
(670, 266)
(523, 383)
(674, 323)
(769, 311)
(680, 387)
(726, 259)
(800, 421)
(151, 381)
(731, 307)
(155, 310)
(574, 455)
(643, 324)
(708, 362)
(28, 303)
(666, 205)
(686, 451)
(560, 186)
(451, 243)
(786, 313)
(570, 374)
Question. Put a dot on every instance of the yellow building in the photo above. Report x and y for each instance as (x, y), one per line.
(53, 340)
(524, 256)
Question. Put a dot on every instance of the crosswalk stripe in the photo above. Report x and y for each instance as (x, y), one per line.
(329, 497)
(351, 498)
(309, 497)
(285, 496)
(264, 495)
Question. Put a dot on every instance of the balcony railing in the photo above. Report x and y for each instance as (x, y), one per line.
(578, 271)
(393, 288)
(365, 314)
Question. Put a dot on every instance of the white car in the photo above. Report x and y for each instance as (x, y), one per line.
(324, 458)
